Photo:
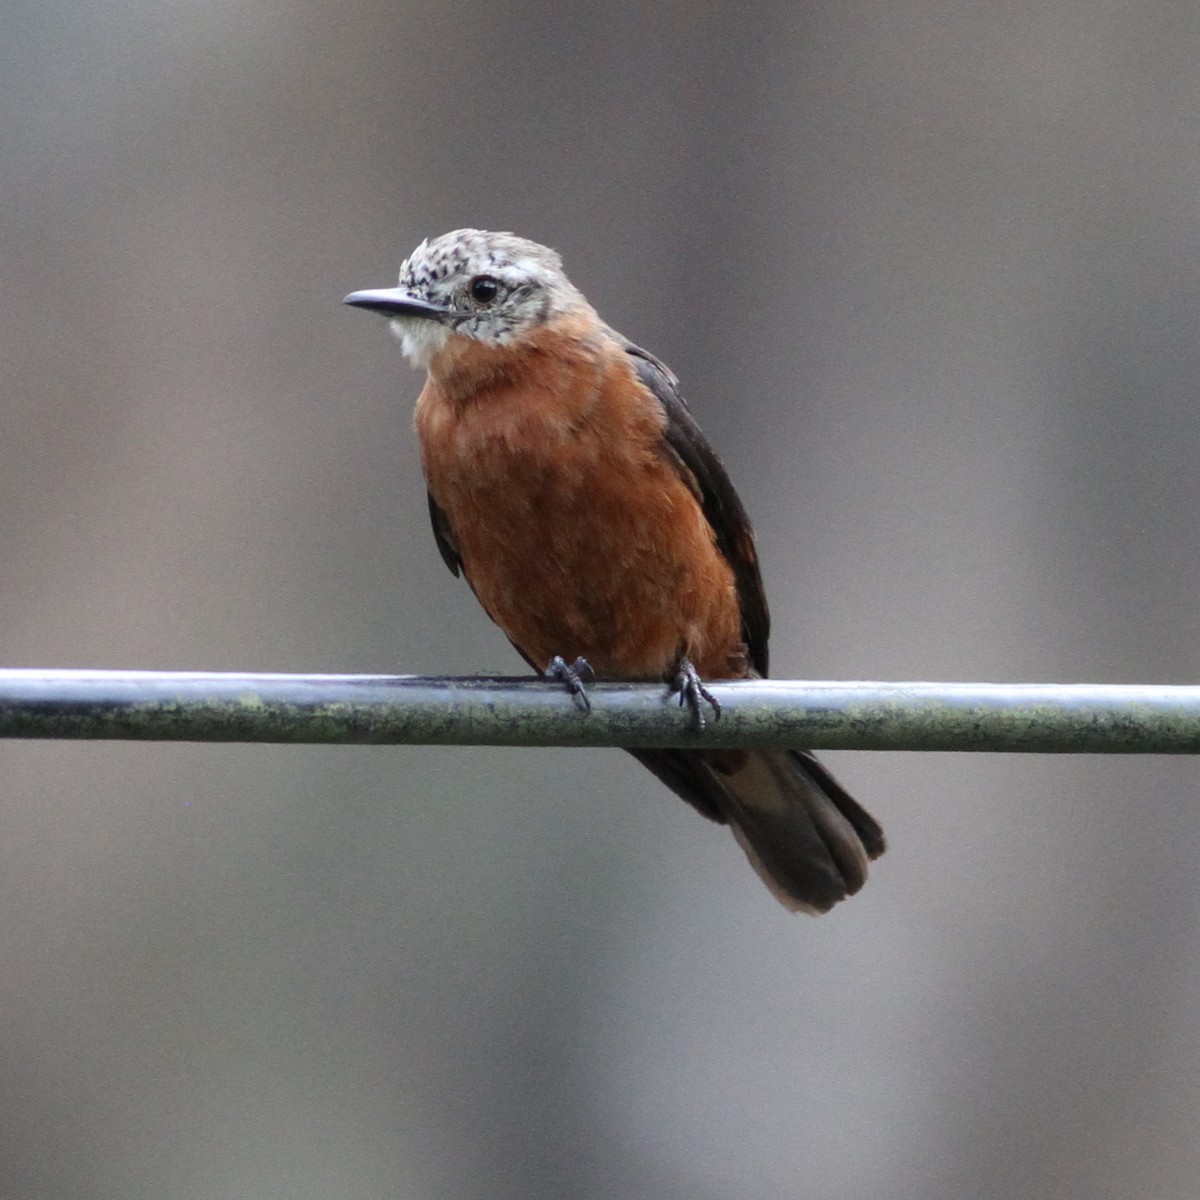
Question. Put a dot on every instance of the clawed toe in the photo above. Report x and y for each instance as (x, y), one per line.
(573, 676)
(693, 693)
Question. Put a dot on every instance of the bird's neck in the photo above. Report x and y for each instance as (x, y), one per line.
(465, 367)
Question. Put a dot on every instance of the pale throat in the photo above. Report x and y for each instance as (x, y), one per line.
(420, 339)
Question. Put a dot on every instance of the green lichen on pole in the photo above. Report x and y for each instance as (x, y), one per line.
(388, 709)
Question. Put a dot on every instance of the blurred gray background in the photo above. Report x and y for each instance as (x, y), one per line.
(929, 274)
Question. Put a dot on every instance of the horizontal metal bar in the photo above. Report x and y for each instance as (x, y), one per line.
(476, 710)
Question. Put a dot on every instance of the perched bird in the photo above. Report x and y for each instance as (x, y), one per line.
(571, 486)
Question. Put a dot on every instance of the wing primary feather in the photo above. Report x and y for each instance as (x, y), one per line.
(705, 475)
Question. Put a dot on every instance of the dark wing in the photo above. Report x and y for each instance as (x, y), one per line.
(443, 536)
(705, 474)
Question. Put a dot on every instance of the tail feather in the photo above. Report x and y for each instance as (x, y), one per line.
(807, 838)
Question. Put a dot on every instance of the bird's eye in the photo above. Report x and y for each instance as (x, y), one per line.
(483, 289)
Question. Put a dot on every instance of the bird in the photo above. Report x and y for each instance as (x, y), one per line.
(570, 484)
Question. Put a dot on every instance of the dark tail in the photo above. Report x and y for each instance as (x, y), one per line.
(808, 839)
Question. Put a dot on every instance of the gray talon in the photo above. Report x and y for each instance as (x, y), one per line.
(694, 694)
(573, 676)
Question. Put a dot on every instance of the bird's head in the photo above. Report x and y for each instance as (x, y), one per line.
(492, 287)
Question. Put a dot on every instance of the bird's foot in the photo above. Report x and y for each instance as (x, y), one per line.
(693, 693)
(573, 676)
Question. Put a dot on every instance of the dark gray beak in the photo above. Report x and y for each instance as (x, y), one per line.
(392, 302)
